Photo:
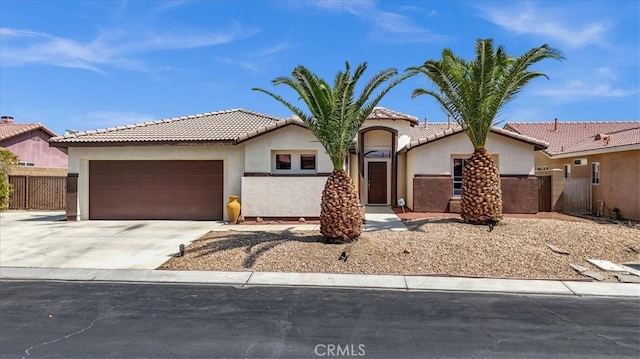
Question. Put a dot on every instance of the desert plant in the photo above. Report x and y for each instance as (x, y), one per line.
(7, 160)
(334, 116)
(473, 93)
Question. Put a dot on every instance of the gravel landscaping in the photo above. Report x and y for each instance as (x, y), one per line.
(516, 248)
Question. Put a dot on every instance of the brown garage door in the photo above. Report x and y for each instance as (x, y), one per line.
(190, 190)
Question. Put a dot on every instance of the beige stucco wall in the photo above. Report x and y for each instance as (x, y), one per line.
(258, 150)
(283, 196)
(377, 138)
(402, 177)
(232, 156)
(514, 157)
(411, 172)
(353, 170)
(403, 128)
(619, 185)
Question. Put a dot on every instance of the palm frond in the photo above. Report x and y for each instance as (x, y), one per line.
(335, 115)
(474, 92)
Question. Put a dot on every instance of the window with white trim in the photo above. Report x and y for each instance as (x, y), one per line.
(294, 161)
(567, 171)
(26, 164)
(595, 173)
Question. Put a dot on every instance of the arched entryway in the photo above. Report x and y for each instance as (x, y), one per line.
(377, 165)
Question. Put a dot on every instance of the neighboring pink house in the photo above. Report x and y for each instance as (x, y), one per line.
(30, 142)
(605, 154)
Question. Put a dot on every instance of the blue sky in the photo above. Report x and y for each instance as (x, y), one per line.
(95, 64)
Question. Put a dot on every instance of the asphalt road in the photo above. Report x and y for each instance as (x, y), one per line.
(112, 320)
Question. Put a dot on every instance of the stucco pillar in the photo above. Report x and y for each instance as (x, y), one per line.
(72, 197)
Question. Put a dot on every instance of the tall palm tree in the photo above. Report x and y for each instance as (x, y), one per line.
(473, 93)
(334, 116)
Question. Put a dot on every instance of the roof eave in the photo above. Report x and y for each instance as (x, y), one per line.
(631, 147)
(269, 128)
(429, 139)
(33, 127)
(141, 143)
(537, 144)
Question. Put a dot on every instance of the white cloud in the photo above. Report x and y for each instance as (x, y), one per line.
(354, 7)
(274, 49)
(606, 71)
(243, 64)
(388, 26)
(549, 23)
(579, 90)
(116, 48)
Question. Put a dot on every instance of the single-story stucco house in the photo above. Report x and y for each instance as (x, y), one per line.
(30, 142)
(187, 167)
(605, 154)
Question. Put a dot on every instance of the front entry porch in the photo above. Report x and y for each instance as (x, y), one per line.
(378, 218)
(377, 165)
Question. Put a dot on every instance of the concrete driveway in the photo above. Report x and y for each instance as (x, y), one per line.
(46, 240)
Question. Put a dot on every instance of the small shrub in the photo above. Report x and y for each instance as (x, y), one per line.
(6, 190)
(617, 214)
(7, 160)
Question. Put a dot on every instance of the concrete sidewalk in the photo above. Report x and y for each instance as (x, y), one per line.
(377, 218)
(332, 280)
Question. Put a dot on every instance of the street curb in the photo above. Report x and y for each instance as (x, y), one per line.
(328, 280)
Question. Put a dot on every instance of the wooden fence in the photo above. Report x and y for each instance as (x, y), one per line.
(30, 192)
(577, 195)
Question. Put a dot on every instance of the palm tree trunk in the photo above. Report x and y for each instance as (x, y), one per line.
(481, 201)
(340, 214)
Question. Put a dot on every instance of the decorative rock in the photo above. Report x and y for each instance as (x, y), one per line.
(627, 278)
(606, 265)
(302, 220)
(240, 219)
(597, 276)
(557, 250)
(259, 220)
(578, 268)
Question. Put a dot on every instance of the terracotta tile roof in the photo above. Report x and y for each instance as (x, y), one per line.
(235, 125)
(381, 113)
(293, 120)
(429, 129)
(218, 126)
(9, 130)
(430, 132)
(571, 137)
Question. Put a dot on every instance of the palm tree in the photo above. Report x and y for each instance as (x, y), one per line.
(473, 93)
(334, 117)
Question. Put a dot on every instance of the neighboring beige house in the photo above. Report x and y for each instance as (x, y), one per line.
(605, 153)
(187, 167)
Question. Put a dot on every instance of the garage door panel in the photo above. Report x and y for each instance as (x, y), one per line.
(155, 190)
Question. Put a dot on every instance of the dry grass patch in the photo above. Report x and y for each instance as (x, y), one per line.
(517, 248)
